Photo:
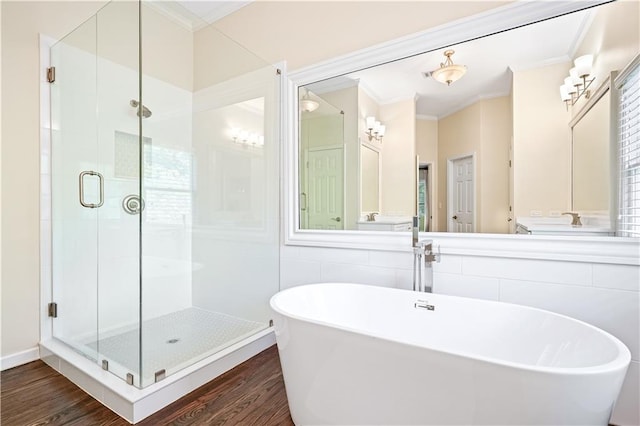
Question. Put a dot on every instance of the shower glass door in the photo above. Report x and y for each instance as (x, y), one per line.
(165, 186)
(95, 166)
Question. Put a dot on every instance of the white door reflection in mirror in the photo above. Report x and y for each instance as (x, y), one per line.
(461, 194)
(325, 188)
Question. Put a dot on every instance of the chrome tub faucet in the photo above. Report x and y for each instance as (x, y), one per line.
(423, 258)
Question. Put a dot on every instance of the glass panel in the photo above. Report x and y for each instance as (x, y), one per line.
(74, 227)
(210, 242)
(119, 162)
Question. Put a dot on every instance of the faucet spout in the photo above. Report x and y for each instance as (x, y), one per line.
(575, 218)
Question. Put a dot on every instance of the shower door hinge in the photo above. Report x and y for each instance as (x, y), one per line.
(51, 74)
(278, 71)
(159, 375)
(52, 309)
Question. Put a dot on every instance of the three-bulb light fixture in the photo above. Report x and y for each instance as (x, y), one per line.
(246, 138)
(577, 84)
(375, 130)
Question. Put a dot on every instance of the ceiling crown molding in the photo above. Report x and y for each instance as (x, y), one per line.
(510, 16)
(188, 19)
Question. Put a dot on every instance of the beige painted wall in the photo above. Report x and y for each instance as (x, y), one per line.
(613, 38)
(398, 171)
(482, 129)
(591, 159)
(495, 134)
(21, 23)
(297, 31)
(541, 142)
(458, 135)
(427, 150)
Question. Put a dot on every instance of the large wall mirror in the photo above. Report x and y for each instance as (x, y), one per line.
(376, 145)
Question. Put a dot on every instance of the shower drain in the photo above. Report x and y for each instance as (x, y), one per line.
(173, 340)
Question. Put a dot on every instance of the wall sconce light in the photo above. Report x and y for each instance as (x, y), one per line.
(448, 71)
(246, 138)
(578, 82)
(375, 130)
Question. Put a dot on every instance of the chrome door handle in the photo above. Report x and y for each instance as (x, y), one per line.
(455, 217)
(100, 180)
(337, 219)
(302, 194)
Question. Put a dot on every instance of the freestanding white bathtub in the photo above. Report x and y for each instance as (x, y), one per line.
(354, 354)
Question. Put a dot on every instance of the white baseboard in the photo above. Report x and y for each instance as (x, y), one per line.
(19, 358)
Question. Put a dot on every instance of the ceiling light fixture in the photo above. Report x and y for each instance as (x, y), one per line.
(448, 71)
(307, 104)
(578, 82)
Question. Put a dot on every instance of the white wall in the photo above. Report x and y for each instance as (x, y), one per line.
(304, 33)
(605, 295)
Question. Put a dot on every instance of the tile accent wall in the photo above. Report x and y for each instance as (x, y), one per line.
(604, 295)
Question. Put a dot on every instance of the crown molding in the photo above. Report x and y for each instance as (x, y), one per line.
(503, 18)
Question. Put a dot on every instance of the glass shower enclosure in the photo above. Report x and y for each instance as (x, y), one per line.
(165, 190)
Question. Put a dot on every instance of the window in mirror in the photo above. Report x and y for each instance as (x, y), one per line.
(505, 109)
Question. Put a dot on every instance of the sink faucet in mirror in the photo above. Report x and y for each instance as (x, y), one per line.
(575, 218)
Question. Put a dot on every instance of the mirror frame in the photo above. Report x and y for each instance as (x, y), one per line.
(614, 98)
(582, 249)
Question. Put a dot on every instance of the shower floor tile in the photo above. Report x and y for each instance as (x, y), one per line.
(174, 341)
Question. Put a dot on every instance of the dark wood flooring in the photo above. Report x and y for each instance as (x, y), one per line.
(250, 394)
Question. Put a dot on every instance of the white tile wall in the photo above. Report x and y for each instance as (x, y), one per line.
(622, 277)
(615, 311)
(466, 286)
(605, 295)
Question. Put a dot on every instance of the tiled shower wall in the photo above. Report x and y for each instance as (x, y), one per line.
(604, 295)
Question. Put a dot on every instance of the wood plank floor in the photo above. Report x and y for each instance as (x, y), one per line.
(250, 394)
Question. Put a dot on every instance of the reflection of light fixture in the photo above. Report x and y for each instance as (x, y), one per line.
(578, 82)
(375, 130)
(307, 104)
(246, 138)
(448, 71)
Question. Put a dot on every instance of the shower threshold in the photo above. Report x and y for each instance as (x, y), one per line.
(134, 404)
